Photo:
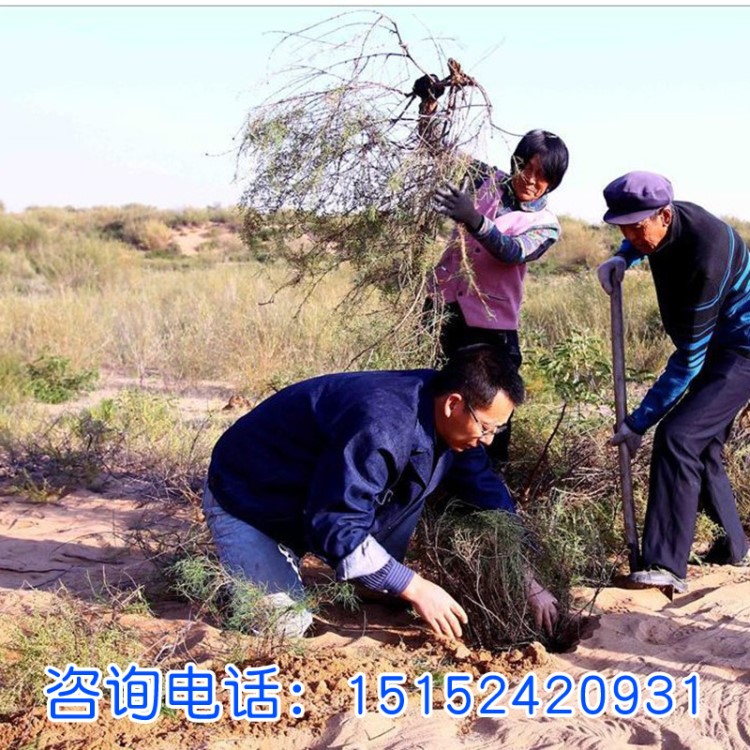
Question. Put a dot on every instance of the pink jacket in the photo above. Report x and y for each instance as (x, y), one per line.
(494, 299)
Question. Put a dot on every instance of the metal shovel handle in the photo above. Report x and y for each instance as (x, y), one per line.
(621, 410)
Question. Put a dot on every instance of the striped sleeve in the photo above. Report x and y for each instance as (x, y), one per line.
(629, 253)
(523, 248)
(392, 578)
(691, 338)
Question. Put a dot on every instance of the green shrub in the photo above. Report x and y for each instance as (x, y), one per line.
(52, 379)
(18, 234)
(578, 368)
(70, 633)
(232, 601)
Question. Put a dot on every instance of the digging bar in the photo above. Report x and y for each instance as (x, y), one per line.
(621, 410)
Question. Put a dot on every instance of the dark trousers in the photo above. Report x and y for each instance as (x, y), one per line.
(687, 469)
(455, 333)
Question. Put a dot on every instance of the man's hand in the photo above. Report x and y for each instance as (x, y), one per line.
(611, 272)
(543, 605)
(435, 606)
(630, 438)
(456, 203)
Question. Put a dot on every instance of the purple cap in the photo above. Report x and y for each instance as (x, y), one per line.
(635, 196)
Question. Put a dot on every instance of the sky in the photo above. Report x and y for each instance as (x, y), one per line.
(115, 105)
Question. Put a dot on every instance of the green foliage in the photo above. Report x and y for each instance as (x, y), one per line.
(578, 369)
(232, 601)
(582, 534)
(145, 434)
(337, 594)
(53, 380)
(134, 434)
(69, 633)
(17, 234)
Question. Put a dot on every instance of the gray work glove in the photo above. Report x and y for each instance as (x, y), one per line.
(630, 438)
(610, 272)
(458, 204)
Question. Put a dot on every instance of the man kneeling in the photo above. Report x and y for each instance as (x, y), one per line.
(341, 465)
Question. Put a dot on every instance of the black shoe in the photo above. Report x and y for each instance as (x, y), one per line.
(719, 555)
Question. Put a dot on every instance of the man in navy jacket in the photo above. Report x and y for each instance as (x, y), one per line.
(341, 465)
(701, 271)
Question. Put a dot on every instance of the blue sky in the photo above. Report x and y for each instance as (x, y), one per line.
(112, 105)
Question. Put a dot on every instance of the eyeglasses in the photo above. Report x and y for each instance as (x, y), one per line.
(486, 430)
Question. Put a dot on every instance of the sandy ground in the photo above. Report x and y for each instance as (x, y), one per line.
(79, 539)
(85, 539)
(190, 239)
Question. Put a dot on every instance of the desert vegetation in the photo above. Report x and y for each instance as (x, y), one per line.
(79, 307)
(322, 268)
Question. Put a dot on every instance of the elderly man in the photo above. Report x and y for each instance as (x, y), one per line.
(340, 466)
(701, 272)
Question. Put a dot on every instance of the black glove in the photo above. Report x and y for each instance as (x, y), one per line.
(428, 87)
(454, 202)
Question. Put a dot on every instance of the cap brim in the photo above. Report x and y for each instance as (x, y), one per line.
(612, 217)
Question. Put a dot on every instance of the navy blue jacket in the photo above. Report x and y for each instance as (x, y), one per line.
(701, 274)
(339, 464)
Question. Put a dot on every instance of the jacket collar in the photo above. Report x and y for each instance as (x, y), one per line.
(429, 453)
(672, 232)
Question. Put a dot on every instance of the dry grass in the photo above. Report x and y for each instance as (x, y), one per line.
(66, 291)
(581, 247)
(222, 323)
(558, 306)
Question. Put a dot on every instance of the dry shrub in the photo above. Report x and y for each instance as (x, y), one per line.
(18, 234)
(582, 246)
(738, 463)
(742, 227)
(78, 262)
(153, 235)
(343, 159)
(68, 632)
(482, 558)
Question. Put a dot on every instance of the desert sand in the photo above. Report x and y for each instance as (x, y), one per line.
(80, 540)
(74, 545)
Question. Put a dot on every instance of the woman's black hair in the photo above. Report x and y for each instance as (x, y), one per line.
(552, 152)
(478, 372)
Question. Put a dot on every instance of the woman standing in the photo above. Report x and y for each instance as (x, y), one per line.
(480, 277)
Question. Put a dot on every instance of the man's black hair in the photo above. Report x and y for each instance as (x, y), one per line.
(552, 152)
(478, 372)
